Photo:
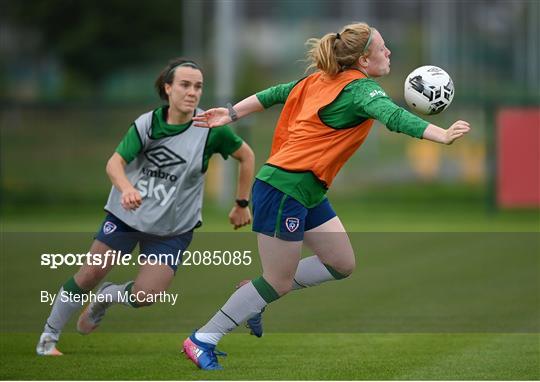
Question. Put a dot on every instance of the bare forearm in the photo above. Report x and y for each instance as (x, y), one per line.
(116, 173)
(245, 177)
(241, 216)
(246, 170)
(439, 135)
(434, 133)
(247, 106)
(131, 198)
(221, 116)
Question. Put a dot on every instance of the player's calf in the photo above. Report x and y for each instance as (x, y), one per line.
(254, 324)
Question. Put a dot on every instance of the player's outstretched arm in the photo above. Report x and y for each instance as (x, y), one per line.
(131, 197)
(220, 116)
(448, 136)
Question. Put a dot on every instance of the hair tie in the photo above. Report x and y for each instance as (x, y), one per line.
(338, 36)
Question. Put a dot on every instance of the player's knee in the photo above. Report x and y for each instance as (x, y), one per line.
(349, 267)
(346, 267)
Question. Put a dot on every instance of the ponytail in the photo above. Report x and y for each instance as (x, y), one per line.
(321, 54)
(335, 52)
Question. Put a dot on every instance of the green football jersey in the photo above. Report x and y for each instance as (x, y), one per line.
(360, 100)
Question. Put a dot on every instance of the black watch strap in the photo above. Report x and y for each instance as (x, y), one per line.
(232, 112)
(242, 203)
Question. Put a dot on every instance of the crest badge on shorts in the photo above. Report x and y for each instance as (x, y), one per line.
(109, 227)
(292, 224)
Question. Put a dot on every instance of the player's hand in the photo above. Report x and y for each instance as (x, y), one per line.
(131, 199)
(212, 118)
(239, 216)
(456, 131)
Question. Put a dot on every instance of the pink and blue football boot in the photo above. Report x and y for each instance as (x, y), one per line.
(202, 354)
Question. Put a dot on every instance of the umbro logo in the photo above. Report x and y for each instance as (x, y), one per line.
(161, 156)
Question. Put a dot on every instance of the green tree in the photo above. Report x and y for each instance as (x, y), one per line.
(94, 38)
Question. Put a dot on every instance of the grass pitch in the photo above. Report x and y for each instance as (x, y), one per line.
(428, 305)
(156, 356)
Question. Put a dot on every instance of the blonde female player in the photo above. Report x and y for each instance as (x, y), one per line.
(326, 117)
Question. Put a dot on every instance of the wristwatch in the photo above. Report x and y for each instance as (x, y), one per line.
(242, 203)
(232, 112)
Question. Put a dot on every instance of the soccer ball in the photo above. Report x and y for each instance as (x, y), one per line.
(429, 90)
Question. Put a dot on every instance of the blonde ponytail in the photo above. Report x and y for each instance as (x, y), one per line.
(337, 51)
